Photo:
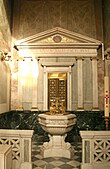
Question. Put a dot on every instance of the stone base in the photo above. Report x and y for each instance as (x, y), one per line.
(20, 109)
(80, 109)
(56, 152)
(34, 109)
(57, 147)
(95, 166)
(95, 109)
(86, 166)
(26, 165)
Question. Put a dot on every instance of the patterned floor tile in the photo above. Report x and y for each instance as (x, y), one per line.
(38, 168)
(64, 159)
(40, 163)
(39, 156)
(50, 159)
(55, 162)
(66, 166)
(73, 163)
(49, 166)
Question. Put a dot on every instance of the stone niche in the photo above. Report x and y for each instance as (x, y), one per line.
(60, 50)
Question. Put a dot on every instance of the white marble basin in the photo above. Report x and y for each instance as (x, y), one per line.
(57, 127)
(57, 124)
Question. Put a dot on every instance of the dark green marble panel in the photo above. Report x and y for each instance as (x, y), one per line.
(86, 120)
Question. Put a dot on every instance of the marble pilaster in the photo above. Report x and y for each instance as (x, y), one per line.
(45, 89)
(80, 82)
(69, 102)
(34, 95)
(20, 99)
(35, 72)
(95, 84)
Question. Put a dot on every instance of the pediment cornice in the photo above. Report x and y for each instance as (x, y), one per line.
(58, 37)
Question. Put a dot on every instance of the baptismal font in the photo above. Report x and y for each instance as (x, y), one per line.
(57, 122)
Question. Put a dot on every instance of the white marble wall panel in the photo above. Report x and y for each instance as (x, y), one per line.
(74, 86)
(4, 87)
(88, 84)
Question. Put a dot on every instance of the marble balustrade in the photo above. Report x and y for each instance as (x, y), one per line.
(95, 149)
(5, 157)
(20, 141)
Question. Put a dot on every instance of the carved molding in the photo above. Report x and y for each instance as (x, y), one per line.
(57, 64)
(101, 150)
(64, 34)
(68, 44)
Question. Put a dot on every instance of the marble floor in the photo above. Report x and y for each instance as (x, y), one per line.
(39, 162)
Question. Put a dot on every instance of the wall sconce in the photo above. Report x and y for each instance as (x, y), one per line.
(15, 47)
(4, 56)
(24, 54)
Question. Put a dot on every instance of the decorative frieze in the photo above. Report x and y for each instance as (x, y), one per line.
(62, 51)
(60, 122)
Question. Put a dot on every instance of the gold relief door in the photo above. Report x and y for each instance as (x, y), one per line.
(57, 88)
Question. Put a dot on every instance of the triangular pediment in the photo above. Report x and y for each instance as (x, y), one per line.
(56, 36)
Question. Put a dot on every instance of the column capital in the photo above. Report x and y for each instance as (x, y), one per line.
(94, 58)
(79, 58)
(44, 69)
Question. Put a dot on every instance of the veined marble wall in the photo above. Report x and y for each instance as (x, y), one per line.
(5, 25)
(5, 77)
(37, 16)
(3, 83)
(5, 43)
(106, 16)
(106, 23)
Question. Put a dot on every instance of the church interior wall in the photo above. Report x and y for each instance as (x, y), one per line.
(31, 17)
(106, 23)
(87, 84)
(36, 16)
(101, 83)
(5, 45)
(4, 87)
